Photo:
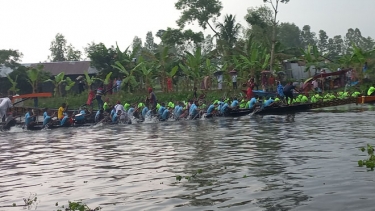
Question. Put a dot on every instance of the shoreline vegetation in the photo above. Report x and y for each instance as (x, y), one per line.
(76, 101)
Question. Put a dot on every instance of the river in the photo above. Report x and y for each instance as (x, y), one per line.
(306, 161)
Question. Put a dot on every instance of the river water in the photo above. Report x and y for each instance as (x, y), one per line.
(303, 162)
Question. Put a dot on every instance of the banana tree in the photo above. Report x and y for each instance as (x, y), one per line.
(90, 81)
(359, 57)
(58, 80)
(13, 88)
(162, 60)
(256, 61)
(130, 78)
(194, 65)
(146, 74)
(107, 79)
(69, 84)
(312, 57)
(33, 75)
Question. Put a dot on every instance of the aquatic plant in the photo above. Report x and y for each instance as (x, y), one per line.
(79, 206)
(189, 178)
(370, 162)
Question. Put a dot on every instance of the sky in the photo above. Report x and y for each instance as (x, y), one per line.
(30, 26)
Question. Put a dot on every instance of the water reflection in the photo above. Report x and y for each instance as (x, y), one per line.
(305, 161)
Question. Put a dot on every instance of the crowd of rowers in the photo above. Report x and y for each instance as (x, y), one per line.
(192, 109)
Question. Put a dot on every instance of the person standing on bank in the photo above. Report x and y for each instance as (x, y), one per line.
(234, 81)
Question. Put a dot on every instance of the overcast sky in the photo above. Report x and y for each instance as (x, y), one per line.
(30, 25)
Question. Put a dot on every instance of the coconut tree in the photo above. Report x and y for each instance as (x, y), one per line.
(57, 81)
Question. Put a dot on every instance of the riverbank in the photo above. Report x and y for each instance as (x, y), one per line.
(75, 101)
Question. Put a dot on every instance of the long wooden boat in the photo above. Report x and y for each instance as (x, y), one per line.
(284, 109)
(365, 99)
(238, 112)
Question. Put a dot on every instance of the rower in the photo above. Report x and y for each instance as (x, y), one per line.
(252, 102)
(194, 111)
(268, 103)
(107, 105)
(211, 110)
(30, 119)
(48, 118)
(45, 112)
(116, 116)
(178, 110)
(65, 122)
(99, 116)
(165, 115)
(80, 118)
(145, 111)
(234, 104)
(60, 113)
(5, 104)
(161, 109)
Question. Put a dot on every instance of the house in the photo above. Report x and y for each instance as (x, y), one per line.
(297, 70)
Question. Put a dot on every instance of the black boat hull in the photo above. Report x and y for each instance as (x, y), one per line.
(277, 110)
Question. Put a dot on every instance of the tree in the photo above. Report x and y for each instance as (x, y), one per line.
(61, 52)
(229, 30)
(36, 75)
(335, 47)
(289, 35)
(150, 44)
(260, 21)
(207, 45)
(198, 10)
(72, 54)
(13, 88)
(137, 46)
(354, 37)
(307, 37)
(58, 80)
(275, 7)
(10, 58)
(102, 58)
(323, 41)
(58, 48)
(130, 78)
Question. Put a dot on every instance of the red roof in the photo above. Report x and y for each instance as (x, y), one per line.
(323, 75)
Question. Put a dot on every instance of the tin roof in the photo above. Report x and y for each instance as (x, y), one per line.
(68, 67)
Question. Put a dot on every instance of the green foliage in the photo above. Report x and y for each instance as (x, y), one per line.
(10, 58)
(58, 80)
(90, 81)
(102, 58)
(370, 162)
(36, 75)
(14, 84)
(198, 10)
(61, 52)
(69, 84)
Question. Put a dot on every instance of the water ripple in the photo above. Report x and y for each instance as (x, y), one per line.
(294, 162)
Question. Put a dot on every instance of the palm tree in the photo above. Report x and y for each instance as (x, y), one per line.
(229, 30)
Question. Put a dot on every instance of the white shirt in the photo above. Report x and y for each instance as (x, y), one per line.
(234, 78)
(5, 103)
(315, 84)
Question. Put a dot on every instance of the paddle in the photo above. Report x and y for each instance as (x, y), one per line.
(21, 101)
